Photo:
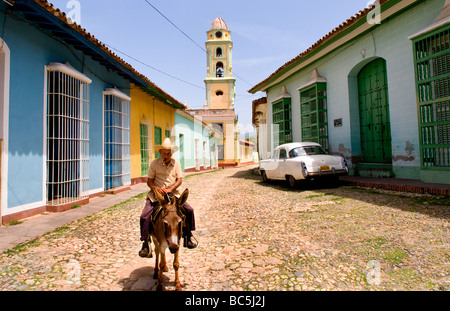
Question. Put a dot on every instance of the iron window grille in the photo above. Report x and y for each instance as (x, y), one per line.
(282, 121)
(314, 117)
(67, 135)
(117, 139)
(145, 148)
(432, 68)
(158, 140)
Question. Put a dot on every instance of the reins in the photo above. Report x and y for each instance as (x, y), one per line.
(161, 213)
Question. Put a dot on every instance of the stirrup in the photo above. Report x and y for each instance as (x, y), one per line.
(186, 239)
(146, 252)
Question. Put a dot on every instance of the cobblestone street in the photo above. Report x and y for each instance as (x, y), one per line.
(253, 236)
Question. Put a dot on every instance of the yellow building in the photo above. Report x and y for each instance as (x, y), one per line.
(152, 119)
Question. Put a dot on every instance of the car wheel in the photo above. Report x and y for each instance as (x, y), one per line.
(291, 181)
(304, 170)
(264, 176)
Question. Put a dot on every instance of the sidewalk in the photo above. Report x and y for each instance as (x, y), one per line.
(398, 184)
(41, 224)
(38, 225)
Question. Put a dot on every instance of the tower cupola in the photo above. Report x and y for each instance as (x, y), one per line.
(220, 83)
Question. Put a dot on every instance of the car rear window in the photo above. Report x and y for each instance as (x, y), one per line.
(308, 150)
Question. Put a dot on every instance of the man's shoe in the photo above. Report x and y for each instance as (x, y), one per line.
(189, 243)
(145, 251)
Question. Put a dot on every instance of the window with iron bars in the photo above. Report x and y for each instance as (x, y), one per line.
(67, 135)
(282, 122)
(117, 142)
(145, 148)
(432, 68)
(313, 106)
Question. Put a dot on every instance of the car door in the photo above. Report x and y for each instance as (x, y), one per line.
(272, 165)
(282, 164)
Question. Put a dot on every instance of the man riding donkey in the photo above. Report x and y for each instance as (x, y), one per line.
(164, 176)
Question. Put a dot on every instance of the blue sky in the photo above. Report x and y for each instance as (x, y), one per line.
(266, 34)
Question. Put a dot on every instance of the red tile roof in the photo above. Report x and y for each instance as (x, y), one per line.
(339, 29)
(218, 23)
(62, 16)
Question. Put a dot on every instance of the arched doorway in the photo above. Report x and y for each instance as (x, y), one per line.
(374, 115)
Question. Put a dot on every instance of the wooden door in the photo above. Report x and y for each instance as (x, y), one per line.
(374, 113)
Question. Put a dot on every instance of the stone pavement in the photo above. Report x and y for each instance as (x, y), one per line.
(252, 236)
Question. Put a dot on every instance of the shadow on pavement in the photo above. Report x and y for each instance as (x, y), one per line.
(430, 205)
(141, 279)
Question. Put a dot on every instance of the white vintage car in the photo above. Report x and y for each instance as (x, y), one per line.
(299, 161)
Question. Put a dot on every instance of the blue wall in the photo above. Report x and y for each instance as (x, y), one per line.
(31, 50)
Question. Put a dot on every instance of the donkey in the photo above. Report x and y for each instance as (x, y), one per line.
(167, 233)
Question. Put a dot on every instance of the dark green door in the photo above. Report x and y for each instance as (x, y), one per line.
(374, 113)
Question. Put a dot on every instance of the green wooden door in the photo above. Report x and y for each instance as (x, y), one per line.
(374, 113)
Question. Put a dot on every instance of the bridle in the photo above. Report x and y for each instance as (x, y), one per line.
(175, 210)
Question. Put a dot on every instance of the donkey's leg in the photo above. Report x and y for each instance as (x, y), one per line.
(162, 264)
(155, 275)
(176, 266)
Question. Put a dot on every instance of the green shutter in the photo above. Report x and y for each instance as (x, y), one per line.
(314, 116)
(432, 68)
(282, 121)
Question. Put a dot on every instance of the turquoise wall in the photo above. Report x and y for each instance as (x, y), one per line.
(191, 131)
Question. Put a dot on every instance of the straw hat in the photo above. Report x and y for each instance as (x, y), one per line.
(167, 144)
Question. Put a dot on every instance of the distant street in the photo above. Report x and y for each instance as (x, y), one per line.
(253, 236)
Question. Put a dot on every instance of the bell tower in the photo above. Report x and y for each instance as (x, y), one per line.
(219, 110)
(219, 82)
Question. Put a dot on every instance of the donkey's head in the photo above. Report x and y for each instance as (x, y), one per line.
(173, 218)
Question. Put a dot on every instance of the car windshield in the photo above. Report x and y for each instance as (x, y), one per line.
(308, 150)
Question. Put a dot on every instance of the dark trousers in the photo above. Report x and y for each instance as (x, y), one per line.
(147, 213)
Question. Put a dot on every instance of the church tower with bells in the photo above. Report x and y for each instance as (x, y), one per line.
(218, 111)
(220, 83)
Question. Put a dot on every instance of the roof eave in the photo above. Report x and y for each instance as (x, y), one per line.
(51, 19)
(295, 64)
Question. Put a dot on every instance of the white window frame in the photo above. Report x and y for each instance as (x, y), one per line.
(5, 56)
(67, 151)
(124, 176)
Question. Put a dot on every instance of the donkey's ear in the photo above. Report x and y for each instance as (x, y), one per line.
(183, 198)
(159, 197)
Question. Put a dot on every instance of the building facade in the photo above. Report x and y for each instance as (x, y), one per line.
(375, 90)
(259, 121)
(197, 142)
(152, 120)
(66, 112)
